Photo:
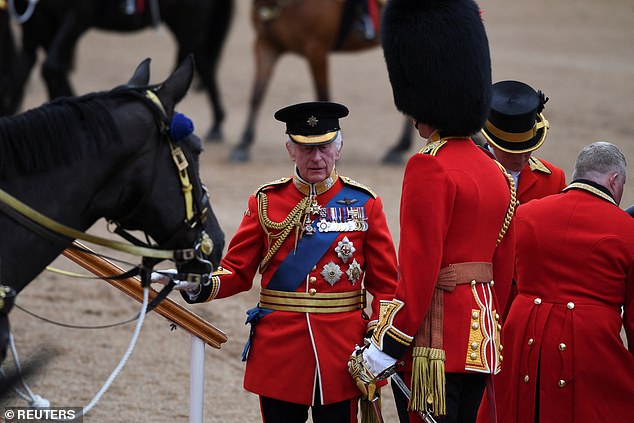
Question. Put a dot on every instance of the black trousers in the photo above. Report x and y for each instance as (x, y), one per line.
(276, 411)
(464, 394)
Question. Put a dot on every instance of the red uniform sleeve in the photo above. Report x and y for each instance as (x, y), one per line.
(380, 259)
(243, 254)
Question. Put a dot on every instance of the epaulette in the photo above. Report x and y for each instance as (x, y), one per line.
(280, 181)
(433, 147)
(356, 184)
(537, 164)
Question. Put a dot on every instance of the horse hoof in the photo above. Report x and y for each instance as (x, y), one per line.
(214, 136)
(239, 155)
(393, 158)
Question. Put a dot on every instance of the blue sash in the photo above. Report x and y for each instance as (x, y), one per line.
(310, 248)
(292, 271)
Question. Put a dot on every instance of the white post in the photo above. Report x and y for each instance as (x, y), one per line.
(197, 381)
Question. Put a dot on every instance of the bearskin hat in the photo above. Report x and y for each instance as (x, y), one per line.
(438, 62)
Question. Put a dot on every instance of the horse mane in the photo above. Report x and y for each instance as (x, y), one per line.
(57, 133)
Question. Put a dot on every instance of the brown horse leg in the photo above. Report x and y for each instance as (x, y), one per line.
(395, 154)
(318, 62)
(266, 56)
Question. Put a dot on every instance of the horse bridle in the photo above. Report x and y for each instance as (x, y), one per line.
(196, 200)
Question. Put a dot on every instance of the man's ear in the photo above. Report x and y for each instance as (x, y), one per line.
(339, 151)
(291, 151)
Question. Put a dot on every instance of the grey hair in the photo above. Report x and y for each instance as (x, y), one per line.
(599, 159)
(338, 141)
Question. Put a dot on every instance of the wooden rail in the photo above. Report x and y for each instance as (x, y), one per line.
(167, 308)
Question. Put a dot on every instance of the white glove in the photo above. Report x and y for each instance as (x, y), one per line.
(162, 277)
(376, 360)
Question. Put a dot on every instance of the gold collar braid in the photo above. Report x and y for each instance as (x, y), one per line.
(314, 189)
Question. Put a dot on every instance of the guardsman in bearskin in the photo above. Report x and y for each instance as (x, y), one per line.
(456, 234)
(516, 127)
(319, 240)
(575, 280)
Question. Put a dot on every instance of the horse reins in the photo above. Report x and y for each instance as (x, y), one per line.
(40, 223)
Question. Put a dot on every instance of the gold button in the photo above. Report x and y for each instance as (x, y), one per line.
(492, 283)
(530, 341)
(570, 305)
(474, 346)
(538, 301)
(473, 282)
(475, 315)
(526, 378)
(312, 291)
(475, 326)
(474, 356)
(312, 279)
(499, 326)
(501, 347)
(501, 358)
(497, 316)
(561, 383)
(562, 347)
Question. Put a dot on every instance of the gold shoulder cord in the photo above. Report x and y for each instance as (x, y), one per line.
(511, 210)
(284, 228)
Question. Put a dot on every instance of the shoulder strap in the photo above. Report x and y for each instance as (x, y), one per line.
(536, 164)
(359, 185)
(280, 181)
(433, 147)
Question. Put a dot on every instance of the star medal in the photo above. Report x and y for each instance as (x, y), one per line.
(354, 272)
(331, 273)
(345, 249)
(315, 208)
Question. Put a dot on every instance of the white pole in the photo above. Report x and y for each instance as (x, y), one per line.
(197, 381)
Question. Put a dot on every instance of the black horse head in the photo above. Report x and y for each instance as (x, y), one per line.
(106, 155)
(111, 155)
(168, 202)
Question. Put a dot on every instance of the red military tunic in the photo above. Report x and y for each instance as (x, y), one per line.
(575, 270)
(453, 206)
(290, 351)
(538, 179)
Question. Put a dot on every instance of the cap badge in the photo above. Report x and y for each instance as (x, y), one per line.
(331, 273)
(312, 121)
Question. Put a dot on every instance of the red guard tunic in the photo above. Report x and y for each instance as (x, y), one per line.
(538, 179)
(292, 351)
(575, 272)
(453, 207)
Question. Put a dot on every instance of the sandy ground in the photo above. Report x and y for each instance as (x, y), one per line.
(579, 52)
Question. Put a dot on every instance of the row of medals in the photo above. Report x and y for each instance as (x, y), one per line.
(335, 219)
(338, 219)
